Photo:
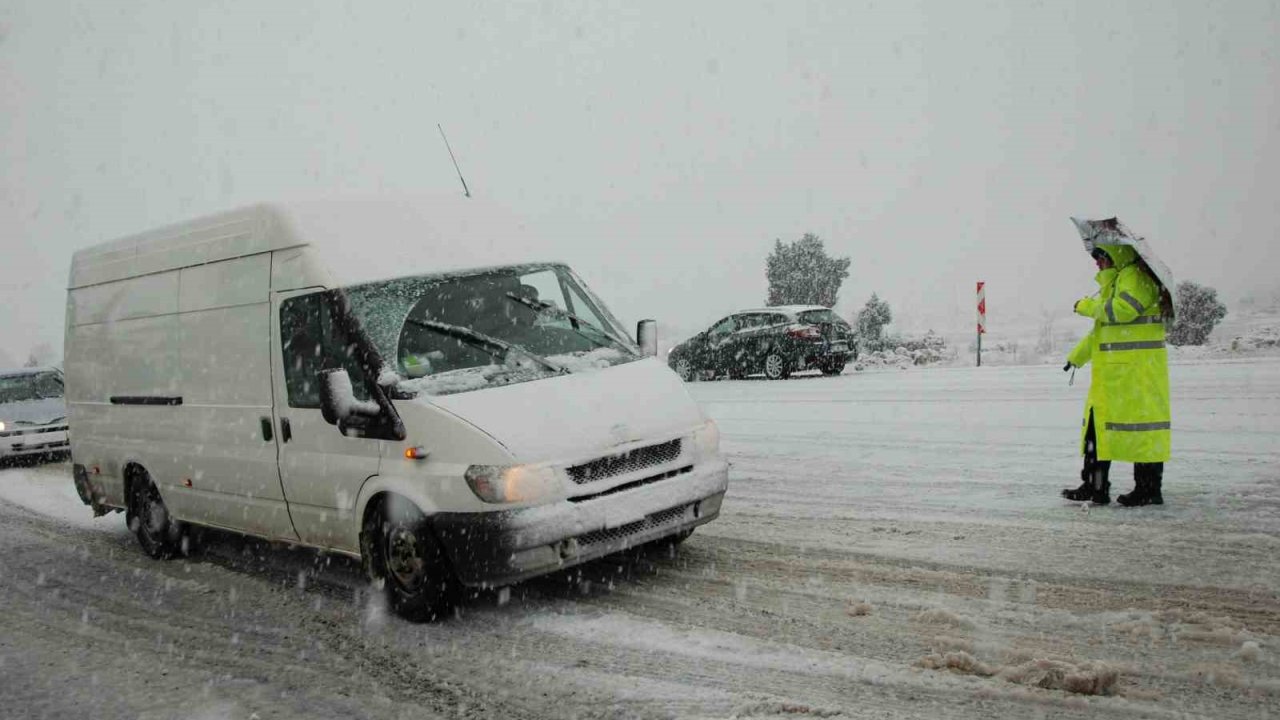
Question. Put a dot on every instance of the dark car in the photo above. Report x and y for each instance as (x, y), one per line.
(776, 341)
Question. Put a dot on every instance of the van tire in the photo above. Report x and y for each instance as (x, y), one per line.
(158, 533)
(402, 557)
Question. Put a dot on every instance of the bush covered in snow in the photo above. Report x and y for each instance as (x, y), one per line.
(903, 352)
(1198, 310)
(870, 322)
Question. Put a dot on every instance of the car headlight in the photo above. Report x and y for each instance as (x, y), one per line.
(511, 483)
(1, 426)
(706, 441)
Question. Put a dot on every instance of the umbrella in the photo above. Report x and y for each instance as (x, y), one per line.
(1113, 232)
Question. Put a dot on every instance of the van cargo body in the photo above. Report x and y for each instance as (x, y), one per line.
(473, 426)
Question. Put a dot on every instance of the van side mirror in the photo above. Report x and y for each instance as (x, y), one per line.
(338, 403)
(332, 383)
(647, 337)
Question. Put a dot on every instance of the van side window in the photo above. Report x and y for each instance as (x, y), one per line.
(341, 351)
(313, 340)
(303, 350)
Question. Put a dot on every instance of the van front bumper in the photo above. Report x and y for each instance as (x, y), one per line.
(43, 440)
(502, 547)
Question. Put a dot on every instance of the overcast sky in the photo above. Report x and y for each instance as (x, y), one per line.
(666, 145)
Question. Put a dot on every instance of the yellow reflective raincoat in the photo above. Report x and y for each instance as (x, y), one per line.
(1129, 394)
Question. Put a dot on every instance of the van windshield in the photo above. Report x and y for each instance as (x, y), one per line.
(469, 331)
(27, 387)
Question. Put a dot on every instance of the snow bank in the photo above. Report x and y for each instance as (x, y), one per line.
(1260, 340)
(942, 616)
(781, 709)
(1249, 651)
(1087, 678)
(49, 490)
(859, 609)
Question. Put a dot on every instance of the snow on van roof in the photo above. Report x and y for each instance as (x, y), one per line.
(357, 238)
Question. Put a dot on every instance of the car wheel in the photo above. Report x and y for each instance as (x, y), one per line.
(776, 366)
(835, 367)
(159, 534)
(403, 558)
(685, 370)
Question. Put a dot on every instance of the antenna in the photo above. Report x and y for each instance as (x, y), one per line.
(465, 191)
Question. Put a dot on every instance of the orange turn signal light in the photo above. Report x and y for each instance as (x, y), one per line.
(415, 453)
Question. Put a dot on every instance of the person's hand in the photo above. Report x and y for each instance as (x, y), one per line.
(1083, 306)
(1067, 366)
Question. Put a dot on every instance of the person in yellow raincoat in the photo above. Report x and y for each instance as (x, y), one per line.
(1126, 416)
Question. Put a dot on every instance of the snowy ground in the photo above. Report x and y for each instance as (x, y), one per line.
(892, 546)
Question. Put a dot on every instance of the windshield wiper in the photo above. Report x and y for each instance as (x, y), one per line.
(540, 306)
(485, 342)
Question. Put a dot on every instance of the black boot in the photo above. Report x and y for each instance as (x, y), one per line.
(1101, 485)
(1146, 486)
(1084, 493)
(1154, 480)
(1138, 497)
(1095, 488)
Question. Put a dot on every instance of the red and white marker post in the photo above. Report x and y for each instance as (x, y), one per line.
(982, 317)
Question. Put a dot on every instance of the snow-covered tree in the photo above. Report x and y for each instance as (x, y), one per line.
(1198, 311)
(802, 273)
(870, 322)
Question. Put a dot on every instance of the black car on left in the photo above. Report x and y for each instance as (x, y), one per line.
(775, 341)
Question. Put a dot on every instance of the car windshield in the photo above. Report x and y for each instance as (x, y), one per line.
(34, 386)
(815, 317)
(446, 334)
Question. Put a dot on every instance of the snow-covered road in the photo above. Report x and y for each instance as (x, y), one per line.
(892, 546)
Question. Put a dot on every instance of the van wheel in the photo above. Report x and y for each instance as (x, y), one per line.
(776, 366)
(159, 535)
(404, 559)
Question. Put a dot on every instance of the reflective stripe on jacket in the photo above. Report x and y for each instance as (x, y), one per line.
(1129, 394)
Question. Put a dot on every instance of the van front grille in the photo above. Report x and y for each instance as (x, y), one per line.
(35, 431)
(656, 520)
(623, 463)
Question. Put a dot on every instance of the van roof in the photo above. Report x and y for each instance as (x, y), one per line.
(358, 238)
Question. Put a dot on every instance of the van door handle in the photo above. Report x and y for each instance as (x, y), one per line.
(266, 428)
(286, 433)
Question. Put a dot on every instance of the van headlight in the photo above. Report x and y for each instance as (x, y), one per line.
(706, 441)
(511, 483)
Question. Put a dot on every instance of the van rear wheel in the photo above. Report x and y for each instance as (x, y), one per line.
(158, 533)
(403, 557)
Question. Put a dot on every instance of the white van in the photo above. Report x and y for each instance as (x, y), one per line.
(471, 427)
